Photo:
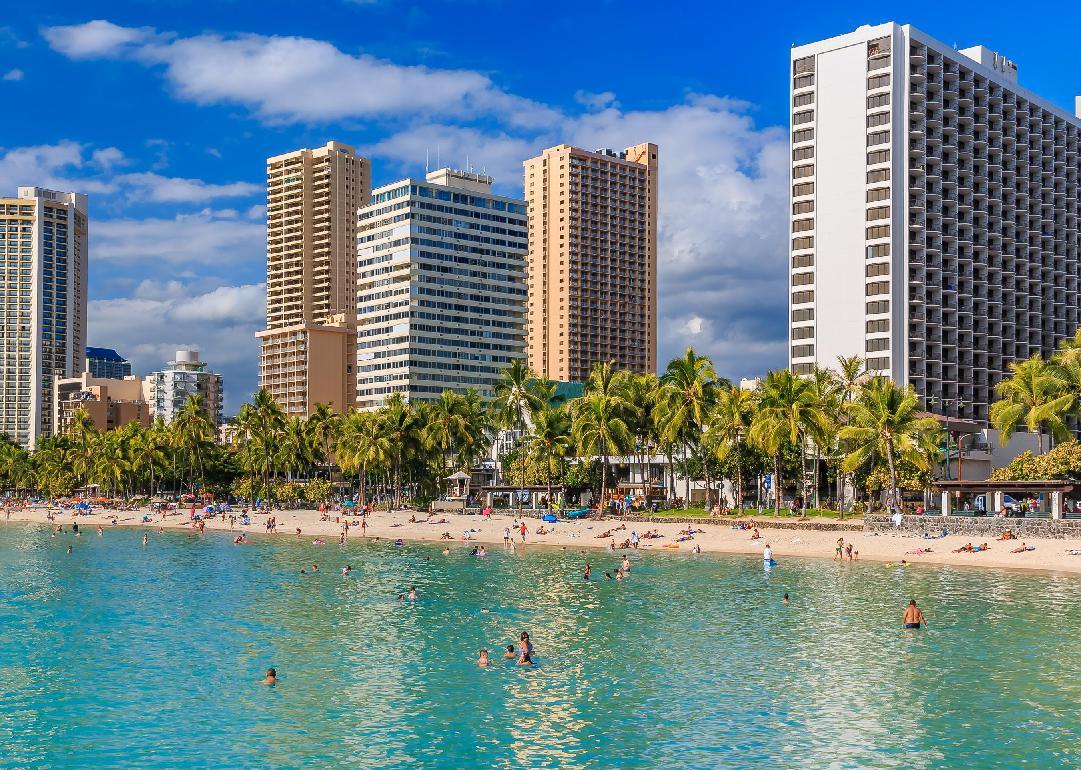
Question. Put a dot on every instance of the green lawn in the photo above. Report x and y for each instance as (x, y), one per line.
(747, 513)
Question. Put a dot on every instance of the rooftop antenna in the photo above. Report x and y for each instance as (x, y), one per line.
(425, 160)
(438, 164)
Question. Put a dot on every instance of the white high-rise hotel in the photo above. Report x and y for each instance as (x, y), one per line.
(934, 214)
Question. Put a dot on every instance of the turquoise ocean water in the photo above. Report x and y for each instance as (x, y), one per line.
(121, 655)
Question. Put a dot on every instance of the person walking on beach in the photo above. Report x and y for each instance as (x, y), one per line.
(913, 617)
(522, 529)
(839, 549)
(506, 535)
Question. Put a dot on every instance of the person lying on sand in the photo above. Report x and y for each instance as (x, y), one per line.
(1022, 548)
(966, 548)
(919, 551)
(984, 547)
(1007, 535)
(446, 536)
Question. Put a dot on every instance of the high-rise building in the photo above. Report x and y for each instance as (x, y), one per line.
(168, 390)
(110, 402)
(934, 214)
(308, 345)
(43, 266)
(592, 266)
(106, 363)
(442, 292)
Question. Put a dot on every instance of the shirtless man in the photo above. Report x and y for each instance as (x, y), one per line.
(913, 617)
(484, 660)
(271, 677)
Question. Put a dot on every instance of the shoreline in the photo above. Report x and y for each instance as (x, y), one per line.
(1049, 555)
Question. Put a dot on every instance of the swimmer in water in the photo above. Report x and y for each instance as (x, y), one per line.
(69, 549)
(100, 530)
(446, 552)
(146, 538)
(483, 660)
(315, 568)
(913, 617)
(784, 599)
(412, 594)
(626, 565)
(346, 570)
(481, 551)
(271, 677)
(585, 576)
(509, 654)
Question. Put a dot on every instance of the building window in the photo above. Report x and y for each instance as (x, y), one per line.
(803, 225)
(803, 242)
(802, 100)
(803, 153)
(803, 351)
(803, 260)
(878, 364)
(878, 212)
(803, 207)
(878, 250)
(878, 119)
(803, 314)
(878, 137)
(804, 188)
(803, 135)
(879, 325)
(803, 117)
(878, 287)
(878, 268)
(803, 81)
(877, 307)
(877, 344)
(878, 194)
(878, 231)
(803, 332)
(803, 66)
(878, 175)
(803, 297)
(803, 279)
(878, 100)
(878, 81)
(803, 368)
(801, 172)
(878, 156)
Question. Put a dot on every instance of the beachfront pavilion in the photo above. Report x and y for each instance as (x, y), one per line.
(990, 497)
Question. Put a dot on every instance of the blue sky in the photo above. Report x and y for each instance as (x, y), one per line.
(164, 112)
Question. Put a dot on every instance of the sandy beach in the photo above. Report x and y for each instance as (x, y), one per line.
(1049, 555)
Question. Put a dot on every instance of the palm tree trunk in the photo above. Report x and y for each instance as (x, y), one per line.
(777, 486)
(363, 486)
(893, 470)
(738, 507)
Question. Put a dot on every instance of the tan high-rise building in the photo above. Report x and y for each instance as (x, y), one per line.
(43, 273)
(592, 266)
(309, 345)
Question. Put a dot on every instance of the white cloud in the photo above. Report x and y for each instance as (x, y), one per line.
(273, 76)
(15, 74)
(204, 238)
(596, 101)
(160, 319)
(498, 155)
(61, 166)
(95, 38)
(163, 189)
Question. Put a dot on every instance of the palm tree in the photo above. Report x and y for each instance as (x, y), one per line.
(446, 428)
(689, 397)
(599, 428)
(550, 440)
(885, 421)
(323, 423)
(194, 434)
(787, 413)
(727, 429)
(82, 431)
(146, 452)
(363, 444)
(516, 397)
(405, 432)
(1036, 395)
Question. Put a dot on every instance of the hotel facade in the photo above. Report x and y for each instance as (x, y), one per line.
(43, 274)
(934, 214)
(308, 347)
(592, 265)
(441, 287)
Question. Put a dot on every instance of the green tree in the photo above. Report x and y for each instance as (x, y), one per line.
(885, 420)
(550, 441)
(1034, 395)
(689, 396)
(516, 397)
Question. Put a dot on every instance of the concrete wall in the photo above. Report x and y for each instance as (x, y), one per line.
(977, 527)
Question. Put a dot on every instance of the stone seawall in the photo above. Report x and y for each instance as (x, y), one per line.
(852, 525)
(978, 527)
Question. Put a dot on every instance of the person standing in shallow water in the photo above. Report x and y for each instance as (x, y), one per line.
(913, 617)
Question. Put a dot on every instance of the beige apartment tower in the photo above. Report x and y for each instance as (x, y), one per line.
(592, 264)
(309, 345)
